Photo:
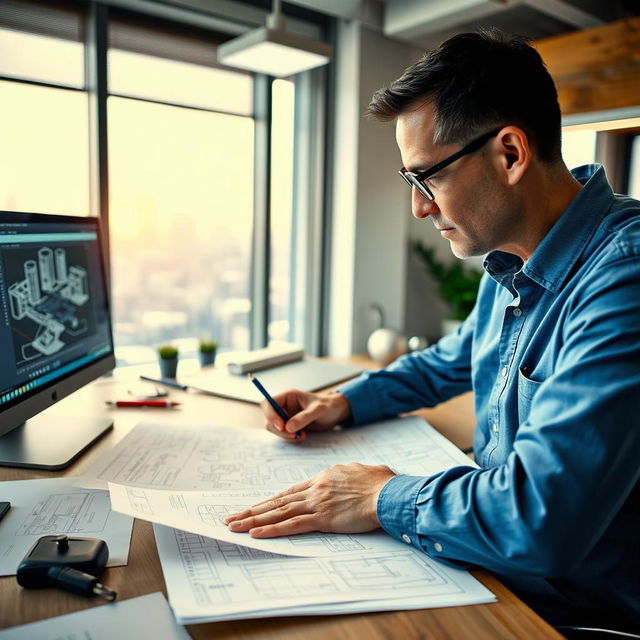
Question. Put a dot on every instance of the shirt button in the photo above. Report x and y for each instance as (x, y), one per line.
(406, 538)
(517, 312)
(494, 428)
(504, 372)
(438, 547)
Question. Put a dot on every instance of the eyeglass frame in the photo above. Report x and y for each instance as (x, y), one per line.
(417, 179)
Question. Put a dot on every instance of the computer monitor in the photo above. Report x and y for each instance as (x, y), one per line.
(55, 335)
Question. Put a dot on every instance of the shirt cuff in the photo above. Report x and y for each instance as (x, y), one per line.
(397, 508)
(362, 399)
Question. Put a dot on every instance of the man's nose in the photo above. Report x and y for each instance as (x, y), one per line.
(422, 207)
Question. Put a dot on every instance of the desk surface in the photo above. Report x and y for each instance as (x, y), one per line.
(508, 618)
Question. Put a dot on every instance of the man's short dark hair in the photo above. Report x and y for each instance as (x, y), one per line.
(478, 81)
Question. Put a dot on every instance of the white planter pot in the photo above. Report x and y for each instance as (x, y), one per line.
(385, 345)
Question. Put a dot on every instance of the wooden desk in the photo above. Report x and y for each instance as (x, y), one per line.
(508, 618)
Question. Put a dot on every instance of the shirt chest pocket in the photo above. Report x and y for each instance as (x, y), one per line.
(527, 389)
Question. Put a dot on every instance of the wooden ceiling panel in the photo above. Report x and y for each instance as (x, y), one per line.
(595, 69)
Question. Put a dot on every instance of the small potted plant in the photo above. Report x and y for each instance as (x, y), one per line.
(457, 285)
(207, 352)
(168, 360)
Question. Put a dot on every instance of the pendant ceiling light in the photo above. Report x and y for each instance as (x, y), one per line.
(272, 50)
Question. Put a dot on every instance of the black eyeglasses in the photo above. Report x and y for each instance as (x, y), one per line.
(417, 180)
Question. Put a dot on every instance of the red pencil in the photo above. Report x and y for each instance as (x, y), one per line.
(158, 404)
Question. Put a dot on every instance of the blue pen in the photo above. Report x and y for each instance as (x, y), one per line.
(277, 408)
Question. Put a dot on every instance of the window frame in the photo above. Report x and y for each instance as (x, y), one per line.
(308, 237)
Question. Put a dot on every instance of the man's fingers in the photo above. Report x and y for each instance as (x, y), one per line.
(271, 416)
(269, 516)
(271, 504)
(304, 418)
(298, 436)
(292, 494)
(285, 435)
(304, 523)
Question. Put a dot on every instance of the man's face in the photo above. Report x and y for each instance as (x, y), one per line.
(471, 207)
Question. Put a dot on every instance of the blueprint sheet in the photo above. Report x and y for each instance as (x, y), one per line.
(202, 512)
(204, 458)
(143, 617)
(209, 580)
(53, 506)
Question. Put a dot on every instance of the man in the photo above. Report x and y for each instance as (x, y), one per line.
(551, 351)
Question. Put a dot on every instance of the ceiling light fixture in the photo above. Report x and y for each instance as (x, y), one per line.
(272, 50)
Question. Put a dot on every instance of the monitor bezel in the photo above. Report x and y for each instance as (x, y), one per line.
(29, 405)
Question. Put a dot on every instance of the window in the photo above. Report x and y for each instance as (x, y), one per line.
(579, 147)
(31, 56)
(181, 196)
(189, 146)
(634, 168)
(44, 164)
(282, 152)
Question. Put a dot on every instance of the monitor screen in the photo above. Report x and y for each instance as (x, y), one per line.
(55, 329)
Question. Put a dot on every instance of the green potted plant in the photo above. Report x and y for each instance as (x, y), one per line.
(207, 352)
(168, 360)
(457, 284)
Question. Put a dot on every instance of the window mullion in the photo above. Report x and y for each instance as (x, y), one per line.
(96, 85)
(260, 262)
(308, 206)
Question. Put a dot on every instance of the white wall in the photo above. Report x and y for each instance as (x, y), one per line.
(371, 205)
(372, 225)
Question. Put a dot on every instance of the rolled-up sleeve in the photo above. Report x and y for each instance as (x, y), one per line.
(416, 380)
(574, 460)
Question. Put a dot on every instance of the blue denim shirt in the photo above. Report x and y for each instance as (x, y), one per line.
(552, 353)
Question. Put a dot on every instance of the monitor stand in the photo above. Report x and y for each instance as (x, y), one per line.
(50, 442)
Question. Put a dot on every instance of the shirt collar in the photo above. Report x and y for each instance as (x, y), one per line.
(559, 250)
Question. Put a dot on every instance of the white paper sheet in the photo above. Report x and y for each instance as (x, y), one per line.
(202, 512)
(143, 617)
(52, 506)
(200, 457)
(210, 580)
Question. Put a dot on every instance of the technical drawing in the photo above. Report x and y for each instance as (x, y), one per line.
(220, 572)
(139, 501)
(267, 574)
(281, 579)
(68, 512)
(389, 571)
(216, 513)
(233, 474)
(201, 573)
(199, 556)
(338, 543)
(290, 474)
(221, 458)
(51, 296)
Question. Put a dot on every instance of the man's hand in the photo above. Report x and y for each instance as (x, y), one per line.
(340, 499)
(307, 412)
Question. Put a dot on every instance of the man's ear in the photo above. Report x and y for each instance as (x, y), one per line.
(514, 153)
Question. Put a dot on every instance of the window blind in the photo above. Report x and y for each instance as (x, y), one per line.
(60, 20)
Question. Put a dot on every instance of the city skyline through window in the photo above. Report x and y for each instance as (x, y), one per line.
(181, 218)
(181, 140)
